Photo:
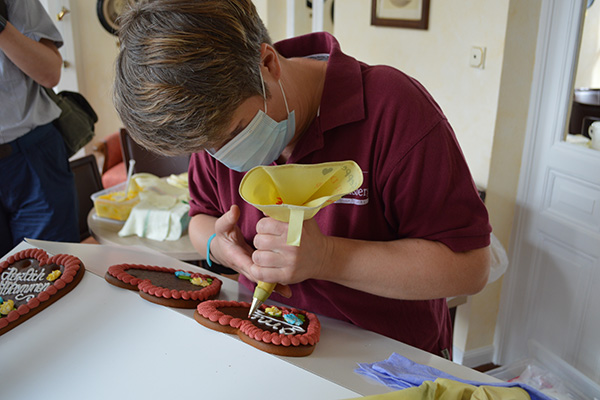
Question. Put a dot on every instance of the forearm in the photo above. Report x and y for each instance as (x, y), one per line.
(201, 227)
(411, 269)
(39, 60)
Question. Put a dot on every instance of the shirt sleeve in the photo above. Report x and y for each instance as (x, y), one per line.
(31, 19)
(434, 195)
(203, 186)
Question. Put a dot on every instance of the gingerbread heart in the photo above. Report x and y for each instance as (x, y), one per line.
(276, 330)
(166, 286)
(30, 281)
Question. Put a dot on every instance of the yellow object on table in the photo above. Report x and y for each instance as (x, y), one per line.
(112, 202)
(447, 389)
(295, 192)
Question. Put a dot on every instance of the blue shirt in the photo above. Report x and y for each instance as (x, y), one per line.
(24, 105)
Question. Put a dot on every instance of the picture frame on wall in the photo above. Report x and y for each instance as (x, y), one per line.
(412, 14)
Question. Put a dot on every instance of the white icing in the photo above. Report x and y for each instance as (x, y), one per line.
(11, 279)
(284, 327)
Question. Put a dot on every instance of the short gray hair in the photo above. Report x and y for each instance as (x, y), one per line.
(183, 68)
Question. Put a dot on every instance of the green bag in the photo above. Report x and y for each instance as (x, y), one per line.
(76, 122)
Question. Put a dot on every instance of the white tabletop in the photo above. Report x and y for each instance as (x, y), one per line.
(107, 232)
(108, 342)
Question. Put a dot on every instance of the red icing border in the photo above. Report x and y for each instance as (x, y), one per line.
(209, 310)
(71, 266)
(145, 285)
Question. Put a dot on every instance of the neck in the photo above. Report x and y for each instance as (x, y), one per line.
(303, 81)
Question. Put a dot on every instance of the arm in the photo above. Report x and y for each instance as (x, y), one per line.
(39, 60)
(412, 269)
(200, 228)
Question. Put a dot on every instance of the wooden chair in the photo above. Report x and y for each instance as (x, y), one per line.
(147, 161)
(113, 167)
(87, 182)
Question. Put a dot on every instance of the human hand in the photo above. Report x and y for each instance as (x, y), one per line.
(3, 10)
(276, 261)
(229, 247)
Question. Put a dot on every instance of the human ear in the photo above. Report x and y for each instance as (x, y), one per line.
(270, 60)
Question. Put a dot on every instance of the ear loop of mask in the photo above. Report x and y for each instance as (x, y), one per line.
(262, 83)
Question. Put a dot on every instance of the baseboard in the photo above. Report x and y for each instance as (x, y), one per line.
(475, 357)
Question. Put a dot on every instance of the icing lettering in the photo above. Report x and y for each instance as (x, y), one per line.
(284, 327)
(30, 275)
(11, 283)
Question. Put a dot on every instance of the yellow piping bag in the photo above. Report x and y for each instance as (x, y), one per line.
(293, 193)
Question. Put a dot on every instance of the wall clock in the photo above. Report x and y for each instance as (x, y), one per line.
(109, 10)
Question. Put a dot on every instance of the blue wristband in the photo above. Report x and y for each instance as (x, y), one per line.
(208, 249)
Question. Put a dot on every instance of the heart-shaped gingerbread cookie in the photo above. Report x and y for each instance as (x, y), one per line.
(30, 281)
(166, 286)
(276, 330)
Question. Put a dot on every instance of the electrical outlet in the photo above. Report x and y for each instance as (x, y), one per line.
(477, 57)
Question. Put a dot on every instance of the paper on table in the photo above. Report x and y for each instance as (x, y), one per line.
(161, 214)
(295, 192)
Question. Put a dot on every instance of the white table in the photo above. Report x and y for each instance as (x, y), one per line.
(102, 342)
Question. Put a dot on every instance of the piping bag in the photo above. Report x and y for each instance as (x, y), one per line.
(293, 193)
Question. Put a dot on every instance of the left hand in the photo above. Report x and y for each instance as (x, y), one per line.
(276, 261)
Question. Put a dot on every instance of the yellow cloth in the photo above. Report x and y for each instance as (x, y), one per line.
(295, 192)
(446, 389)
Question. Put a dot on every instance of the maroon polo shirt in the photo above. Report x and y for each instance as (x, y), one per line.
(416, 185)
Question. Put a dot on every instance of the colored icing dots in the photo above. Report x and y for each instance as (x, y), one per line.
(273, 311)
(198, 281)
(52, 276)
(292, 319)
(183, 275)
(6, 307)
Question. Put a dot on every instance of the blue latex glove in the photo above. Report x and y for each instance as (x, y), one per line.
(399, 372)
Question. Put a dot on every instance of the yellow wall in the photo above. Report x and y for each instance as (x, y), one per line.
(95, 51)
(477, 322)
(588, 67)
(439, 59)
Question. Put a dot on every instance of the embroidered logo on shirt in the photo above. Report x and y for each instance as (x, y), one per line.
(360, 196)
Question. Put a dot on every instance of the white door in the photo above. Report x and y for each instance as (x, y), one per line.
(62, 16)
(551, 291)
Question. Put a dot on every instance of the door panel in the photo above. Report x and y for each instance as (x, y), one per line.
(63, 16)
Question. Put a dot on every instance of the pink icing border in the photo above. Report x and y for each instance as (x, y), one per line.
(144, 285)
(209, 310)
(71, 266)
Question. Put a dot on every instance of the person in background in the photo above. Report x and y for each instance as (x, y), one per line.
(37, 189)
(203, 77)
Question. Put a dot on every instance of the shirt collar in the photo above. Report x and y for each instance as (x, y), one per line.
(342, 101)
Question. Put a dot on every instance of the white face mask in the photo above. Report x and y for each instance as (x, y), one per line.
(261, 142)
